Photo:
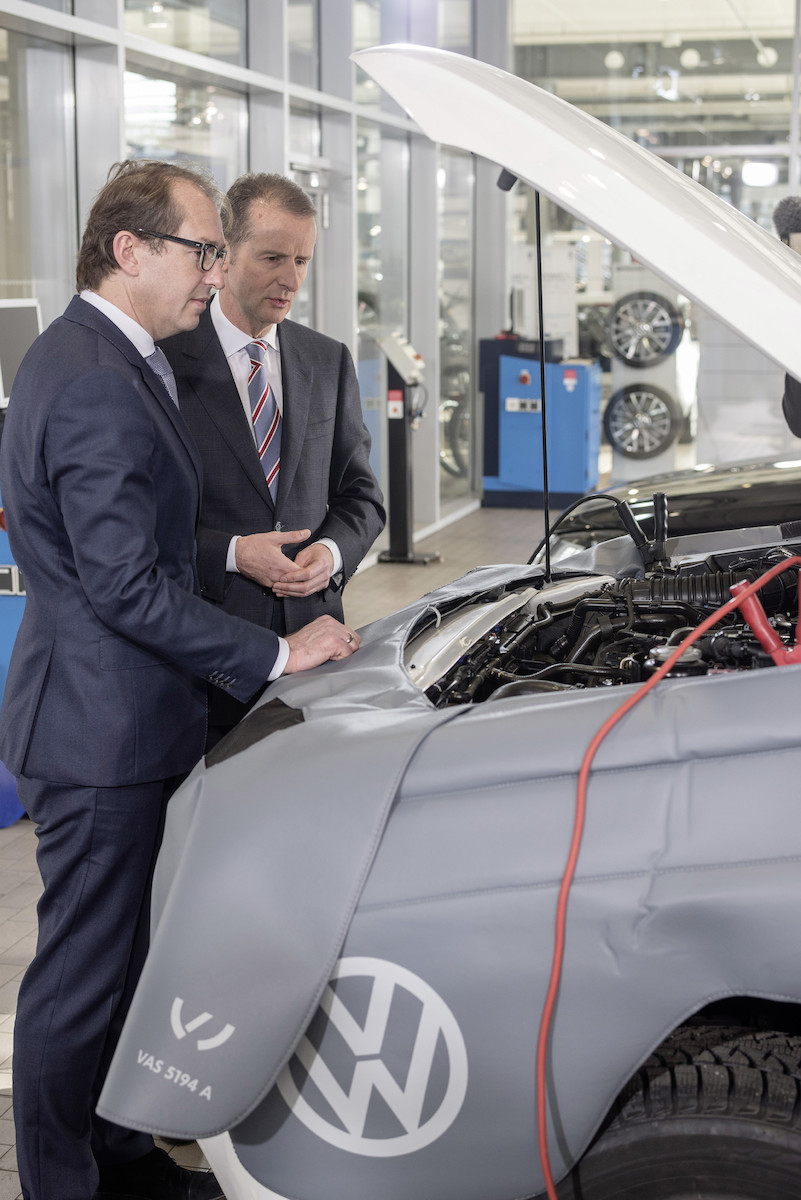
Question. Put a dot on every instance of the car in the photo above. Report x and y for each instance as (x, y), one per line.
(701, 499)
(506, 904)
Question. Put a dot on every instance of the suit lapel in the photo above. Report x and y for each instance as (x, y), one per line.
(296, 381)
(86, 314)
(205, 371)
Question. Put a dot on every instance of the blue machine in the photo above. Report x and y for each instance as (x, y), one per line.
(510, 380)
(12, 604)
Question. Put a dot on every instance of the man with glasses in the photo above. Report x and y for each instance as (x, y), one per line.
(290, 503)
(105, 702)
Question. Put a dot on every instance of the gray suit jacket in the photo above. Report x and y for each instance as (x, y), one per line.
(325, 483)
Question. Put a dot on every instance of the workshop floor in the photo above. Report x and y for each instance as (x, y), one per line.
(484, 536)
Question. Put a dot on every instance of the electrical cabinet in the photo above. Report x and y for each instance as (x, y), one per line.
(513, 469)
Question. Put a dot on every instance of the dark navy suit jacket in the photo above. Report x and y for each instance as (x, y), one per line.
(101, 489)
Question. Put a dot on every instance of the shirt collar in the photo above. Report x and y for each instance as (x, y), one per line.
(134, 332)
(232, 338)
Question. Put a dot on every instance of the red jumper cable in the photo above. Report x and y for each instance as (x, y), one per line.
(743, 597)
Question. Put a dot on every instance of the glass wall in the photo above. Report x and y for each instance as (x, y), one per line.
(382, 215)
(383, 220)
(710, 88)
(303, 32)
(455, 180)
(455, 25)
(38, 230)
(212, 27)
(305, 144)
(172, 119)
(376, 22)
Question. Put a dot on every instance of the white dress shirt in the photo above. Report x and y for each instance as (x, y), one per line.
(134, 332)
(234, 345)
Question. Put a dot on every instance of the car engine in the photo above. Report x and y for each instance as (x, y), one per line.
(581, 631)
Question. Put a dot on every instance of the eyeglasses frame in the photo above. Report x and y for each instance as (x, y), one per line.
(203, 248)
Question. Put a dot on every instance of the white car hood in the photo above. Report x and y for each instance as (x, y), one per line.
(707, 249)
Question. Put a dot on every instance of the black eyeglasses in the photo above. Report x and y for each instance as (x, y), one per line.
(208, 253)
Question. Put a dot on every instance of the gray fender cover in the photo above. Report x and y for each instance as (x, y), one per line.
(281, 861)
(252, 900)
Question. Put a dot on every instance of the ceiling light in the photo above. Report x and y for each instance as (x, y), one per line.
(767, 56)
(690, 58)
(154, 18)
(667, 82)
(614, 60)
(760, 174)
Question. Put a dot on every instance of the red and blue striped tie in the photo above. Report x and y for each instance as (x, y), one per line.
(265, 415)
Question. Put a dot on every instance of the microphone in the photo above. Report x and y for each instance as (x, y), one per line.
(787, 217)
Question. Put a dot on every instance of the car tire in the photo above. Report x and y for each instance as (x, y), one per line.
(644, 328)
(454, 414)
(641, 420)
(714, 1114)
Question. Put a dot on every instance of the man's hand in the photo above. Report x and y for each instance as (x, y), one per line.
(309, 573)
(318, 642)
(259, 555)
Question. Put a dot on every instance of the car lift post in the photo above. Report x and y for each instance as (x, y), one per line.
(404, 374)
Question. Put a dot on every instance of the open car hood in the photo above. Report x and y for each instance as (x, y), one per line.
(707, 249)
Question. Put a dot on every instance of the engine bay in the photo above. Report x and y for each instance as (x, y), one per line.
(590, 630)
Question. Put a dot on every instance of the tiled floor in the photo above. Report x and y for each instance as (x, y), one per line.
(485, 536)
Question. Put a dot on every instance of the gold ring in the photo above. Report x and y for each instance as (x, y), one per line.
(349, 638)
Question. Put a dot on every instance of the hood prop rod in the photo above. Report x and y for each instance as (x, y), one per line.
(506, 181)
(546, 499)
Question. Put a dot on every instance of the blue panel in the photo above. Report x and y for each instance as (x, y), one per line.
(11, 610)
(369, 375)
(573, 398)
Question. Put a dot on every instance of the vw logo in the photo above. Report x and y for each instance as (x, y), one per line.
(180, 1030)
(336, 1090)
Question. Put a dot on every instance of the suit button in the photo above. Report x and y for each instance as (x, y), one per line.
(278, 527)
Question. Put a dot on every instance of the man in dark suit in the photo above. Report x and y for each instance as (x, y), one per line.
(275, 552)
(105, 701)
(787, 220)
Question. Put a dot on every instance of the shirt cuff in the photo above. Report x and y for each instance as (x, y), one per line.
(334, 548)
(281, 660)
(230, 561)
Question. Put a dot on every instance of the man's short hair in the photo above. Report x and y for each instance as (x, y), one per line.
(138, 194)
(787, 217)
(267, 189)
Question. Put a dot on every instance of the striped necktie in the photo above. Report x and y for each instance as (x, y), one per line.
(265, 416)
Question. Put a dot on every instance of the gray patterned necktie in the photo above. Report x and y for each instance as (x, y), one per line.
(157, 361)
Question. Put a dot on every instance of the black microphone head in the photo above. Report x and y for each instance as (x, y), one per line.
(787, 217)
(506, 180)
